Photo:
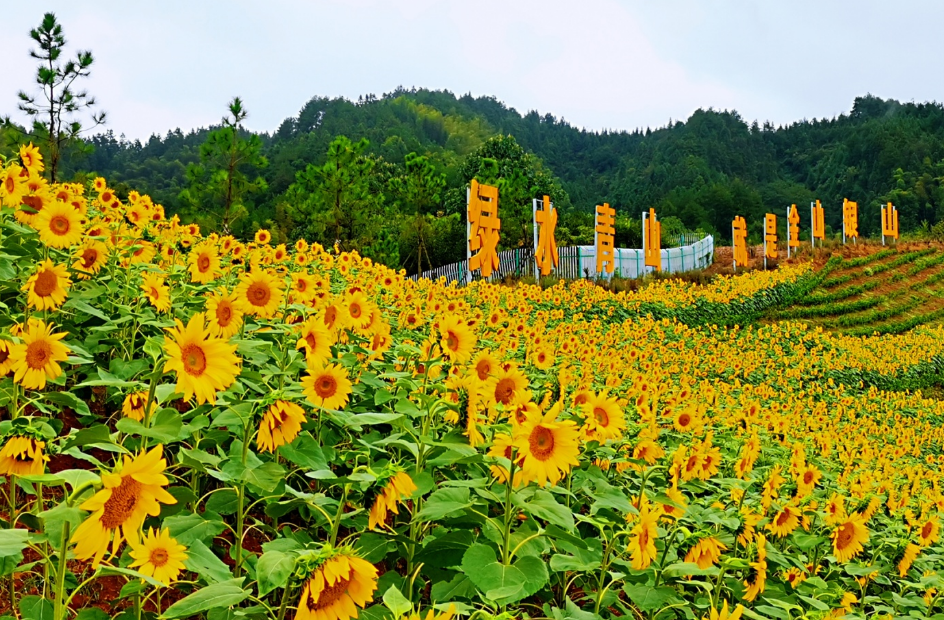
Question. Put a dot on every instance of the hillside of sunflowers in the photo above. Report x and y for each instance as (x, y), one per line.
(198, 427)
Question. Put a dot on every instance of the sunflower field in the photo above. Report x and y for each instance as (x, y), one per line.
(200, 427)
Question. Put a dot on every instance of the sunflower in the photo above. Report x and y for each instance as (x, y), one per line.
(6, 362)
(224, 318)
(263, 236)
(32, 159)
(357, 309)
(456, 339)
(204, 264)
(929, 531)
(542, 358)
(504, 386)
(37, 358)
(432, 615)
(22, 455)
(484, 364)
(59, 225)
(705, 552)
(337, 587)
(327, 386)
(90, 258)
(100, 185)
(304, 287)
(158, 555)
(132, 492)
(204, 364)
(724, 614)
(807, 479)
(395, 487)
(12, 186)
(156, 291)
(315, 340)
(259, 293)
(642, 542)
(910, 555)
(548, 448)
(48, 287)
(757, 576)
(835, 509)
(503, 447)
(686, 420)
(848, 538)
(603, 418)
(133, 405)
(785, 521)
(794, 576)
(279, 426)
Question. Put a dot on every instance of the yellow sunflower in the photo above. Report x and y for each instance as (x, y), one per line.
(279, 426)
(6, 362)
(12, 186)
(785, 521)
(22, 455)
(59, 225)
(134, 404)
(503, 447)
(724, 614)
(910, 555)
(90, 257)
(224, 317)
(129, 494)
(603, 418)
(542, 358)
(327, 386)
(705, 552)
(848, 538)
(395, 488)
(315, 340)
(757, 576)
(484, 364)
(929, 532)
(48, 287)
(432, 615)
(259, 293)
(158, 555)
(156, 291)
(456, 339)
(32, 159)
(548, 448)
(204, 364)
(642, 541)
(504, 386)
(336, 589)
(37, 357)
(303, 287)
(357, 309)
(204, 264)
(263, 236)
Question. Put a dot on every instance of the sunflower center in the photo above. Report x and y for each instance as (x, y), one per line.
(38, 354)
(155, 294)
(203, 263)
(925, 531)
(356, 311)
(482, 369)
(685, 420)
(452, 341)
(224, 314)
(330, 316)
(504, 391)
(89, 256)
(312, 342)
(301, 286)
(10, 184)
(541, 442)
(159, 557)
(844, 535)
(326, 386)
(808, 478)
(258, 294)
(643, 538)
(4, 354)
(120, 506)
(599, 414)
(59, 225)
(783, 517)
(329, 595)
(194, 360)
(46, 282)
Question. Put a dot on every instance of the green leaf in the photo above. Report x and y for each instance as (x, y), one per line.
(36, 608)
(133, 574)
(273, 570)
(444, 502)
(459, 586)
(395, 601)
(498, 582)
(214, 596)
(12, 542)
(223, 501)
(305, 452)
(55, 519)
(165, 427)
(93, 434)
(649, 598)
(189, 527)
(372, 547)
(266, 477)
(202, 560)
(91, 613)
(544, 506)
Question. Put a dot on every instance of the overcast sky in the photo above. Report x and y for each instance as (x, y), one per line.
(600, 64)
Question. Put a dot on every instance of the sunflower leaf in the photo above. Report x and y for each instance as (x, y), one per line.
(218, 595)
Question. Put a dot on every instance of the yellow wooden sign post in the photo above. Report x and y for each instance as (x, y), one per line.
(739, 237)
(770, 238)
(483, 228)
(889, 222)
(818, 216)
(604, 232)
(652, 240)
(793, 229)
(850, 221)
(545, 246)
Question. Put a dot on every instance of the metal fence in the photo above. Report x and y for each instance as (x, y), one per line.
(580, 262)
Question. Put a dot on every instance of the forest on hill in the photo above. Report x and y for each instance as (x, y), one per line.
(387, 175)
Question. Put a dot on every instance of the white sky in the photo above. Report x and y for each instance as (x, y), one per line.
(614, 64)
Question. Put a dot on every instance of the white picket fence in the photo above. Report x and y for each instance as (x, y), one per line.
(581, 262)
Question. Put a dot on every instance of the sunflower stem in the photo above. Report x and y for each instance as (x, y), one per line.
(59, 610)
(283, 605)
(155, 377)
(506, 547)
(337, 517)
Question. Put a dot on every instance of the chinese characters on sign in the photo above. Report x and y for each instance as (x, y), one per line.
(739, 234)
(819, 222)
(606, 218)
(770, 237)
(889, 222)
(793, 229)
(484, 227)
(850, 220)
(545, 246)
(652, 240)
